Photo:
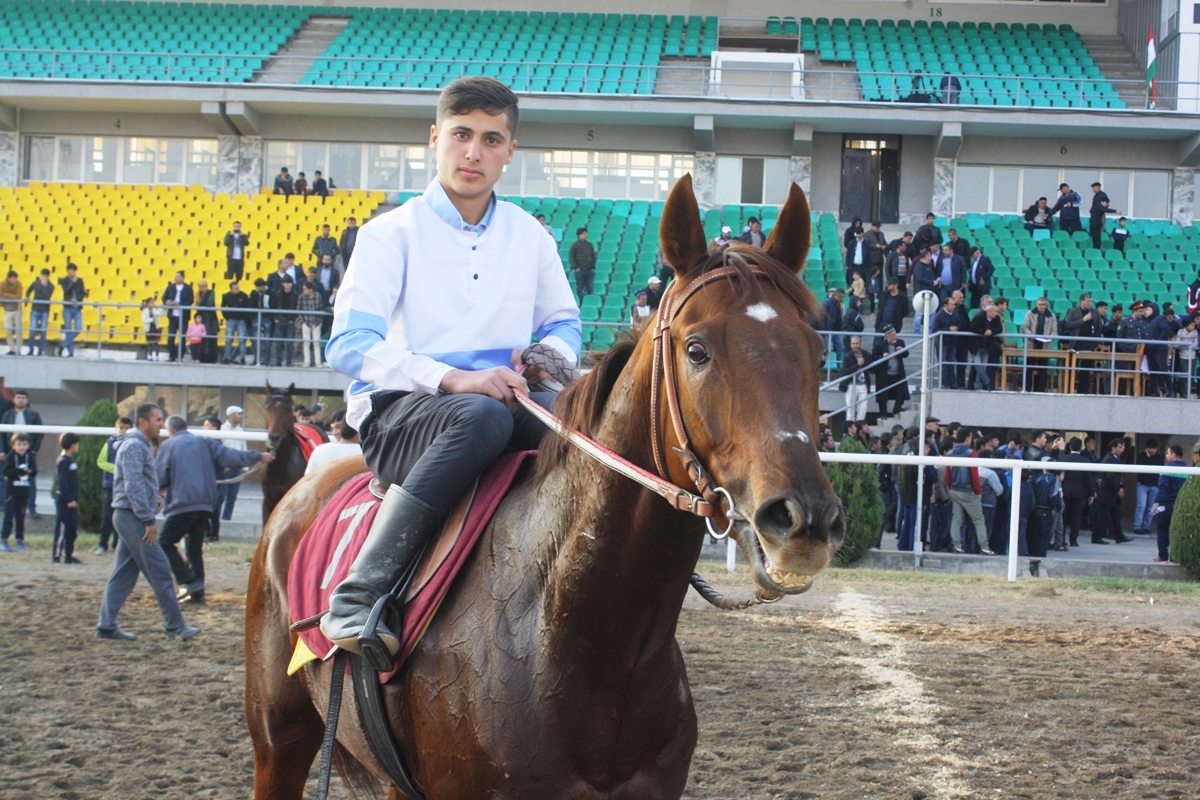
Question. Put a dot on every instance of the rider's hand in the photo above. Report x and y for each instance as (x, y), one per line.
(497, 383)
(532, 374)
(266, 458)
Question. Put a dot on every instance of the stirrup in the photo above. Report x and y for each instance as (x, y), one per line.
(374, 649)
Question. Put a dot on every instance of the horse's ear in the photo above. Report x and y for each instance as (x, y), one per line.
(269, 389)
(681, 232)
(291, 388)
(792, 235)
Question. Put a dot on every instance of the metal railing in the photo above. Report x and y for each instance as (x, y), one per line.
(585, 77)
(266, 330)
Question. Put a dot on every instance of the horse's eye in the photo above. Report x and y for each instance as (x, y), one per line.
(697, 354)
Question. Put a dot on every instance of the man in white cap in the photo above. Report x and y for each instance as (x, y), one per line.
(654, 291)
(227, 493)
(724, 240)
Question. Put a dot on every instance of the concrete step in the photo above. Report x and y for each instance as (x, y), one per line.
(292, 61)
(1118, 65)
(833, 82)
(682, 76)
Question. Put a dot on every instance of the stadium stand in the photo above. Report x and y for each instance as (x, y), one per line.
(531, 51)
(185, 42)
(129, 240)
(1018, 64)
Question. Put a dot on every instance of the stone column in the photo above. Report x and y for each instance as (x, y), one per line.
(1183, 195)
(704, 179)
(943, 187)
(239, 164)
(8, 159)
(802, 172)
(227, 164)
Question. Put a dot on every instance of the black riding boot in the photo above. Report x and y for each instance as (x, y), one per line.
(397, 537)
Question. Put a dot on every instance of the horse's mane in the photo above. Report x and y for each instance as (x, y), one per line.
(581, 404)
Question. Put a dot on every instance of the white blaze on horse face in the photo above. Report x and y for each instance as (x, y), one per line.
(762, 312)
(783, 436)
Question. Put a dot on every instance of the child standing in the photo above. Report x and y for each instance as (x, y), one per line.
(152, 329)
(66, 521)
(1120, 235)
(19, 467)
(195, 336)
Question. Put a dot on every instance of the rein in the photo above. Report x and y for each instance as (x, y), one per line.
(703, 505)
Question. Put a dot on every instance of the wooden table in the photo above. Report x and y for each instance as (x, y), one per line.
(1115, 365)
(1033, 360)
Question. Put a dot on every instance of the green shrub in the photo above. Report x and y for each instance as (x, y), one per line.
(1185, 528)
(101, 414)
(857, 486)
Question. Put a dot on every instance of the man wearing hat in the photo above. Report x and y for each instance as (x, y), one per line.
(1099, 208)
(227, 493)
(654, 292)
(893, 306)
(891, 380)
(724, 240)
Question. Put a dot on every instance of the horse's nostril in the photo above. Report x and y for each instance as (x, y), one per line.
(835, 525)
(781, 516)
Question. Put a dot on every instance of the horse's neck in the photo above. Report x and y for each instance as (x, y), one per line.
(623, 556)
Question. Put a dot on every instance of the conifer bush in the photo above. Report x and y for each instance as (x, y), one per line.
(1185, 528)
(101, 414)
(857, 486)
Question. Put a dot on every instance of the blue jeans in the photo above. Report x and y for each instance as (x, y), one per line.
(1145, 501)
(908, 524)
(262, 345)
(38, 321)
(227, 493)
(72, 326)
(235, 328)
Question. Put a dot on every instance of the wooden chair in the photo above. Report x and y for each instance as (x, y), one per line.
(1134, 377)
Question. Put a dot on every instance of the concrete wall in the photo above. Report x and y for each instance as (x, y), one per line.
(103, 123)
(916, 179)
(826, 194)
(1106, 154)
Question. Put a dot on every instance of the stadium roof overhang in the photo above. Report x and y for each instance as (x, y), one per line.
(823, 117)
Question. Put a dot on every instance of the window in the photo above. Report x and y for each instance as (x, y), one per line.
(1151, 191)
(1040, 183)
(1141, 194)
(102, 160)
(611, 176)
(39, 158)
(510, 180)
(571, 172)
(1004, 190)
(139, 160)
(70, 158)
(345, 166)
(418, 168)
(383, 167)
(201, 162)
(972, 188)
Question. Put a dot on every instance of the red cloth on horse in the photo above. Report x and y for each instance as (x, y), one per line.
(330, 546)
(308, 437)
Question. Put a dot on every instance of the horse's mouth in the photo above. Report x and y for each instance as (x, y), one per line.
(770, 578)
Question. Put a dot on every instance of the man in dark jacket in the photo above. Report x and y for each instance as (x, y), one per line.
(1158, 332)
(946, 322)
(856, 380)
(985, 343)
(893, 306)
(960, 246)
(1067, 209)
(979, 276)
(831, 320)
(187, 469)
(1037, 216)
(178, 297)
(206, 312)
(1077, 492)
(348, 240)
(1147, 486)
(235, 305)
(928, 235)
(325, 245)
(284, 321)
(1110, 491)
(22, 414)
(753, 235)
(260, 321)
(582, 258)
(236, 243)
(891, 380)
(1083, 321)
(877, 244)
(72, 308)
(320, 187)
(1096, 214)
(1164, 504)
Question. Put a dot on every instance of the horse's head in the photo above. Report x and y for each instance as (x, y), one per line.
(746, 361)
(279, 414)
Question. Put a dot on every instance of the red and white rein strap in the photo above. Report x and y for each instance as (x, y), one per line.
(677, 497)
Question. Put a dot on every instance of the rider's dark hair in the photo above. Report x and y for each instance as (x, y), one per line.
(480, 92)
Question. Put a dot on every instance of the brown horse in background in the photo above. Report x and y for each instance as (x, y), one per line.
(288, 467)
(552, 669)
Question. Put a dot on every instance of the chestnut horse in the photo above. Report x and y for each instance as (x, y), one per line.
(288, 467)
(552, 669)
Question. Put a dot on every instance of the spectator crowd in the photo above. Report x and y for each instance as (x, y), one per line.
(883, 277)
(966, 510)
(280, 319)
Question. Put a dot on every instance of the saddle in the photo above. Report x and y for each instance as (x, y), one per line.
(333, 541)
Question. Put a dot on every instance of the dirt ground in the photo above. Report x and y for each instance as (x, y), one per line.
(873, 685)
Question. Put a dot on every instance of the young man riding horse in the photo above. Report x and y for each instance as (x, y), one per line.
(432, 315)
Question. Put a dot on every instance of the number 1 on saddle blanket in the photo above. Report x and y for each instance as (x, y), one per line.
(326, 552)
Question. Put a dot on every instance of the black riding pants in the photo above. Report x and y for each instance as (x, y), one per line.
(192, 525)
(434, 446)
